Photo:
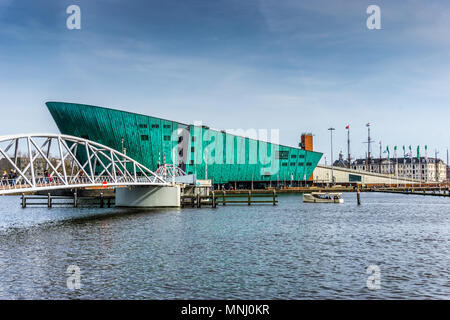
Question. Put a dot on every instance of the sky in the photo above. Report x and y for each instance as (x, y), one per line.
(293, 65)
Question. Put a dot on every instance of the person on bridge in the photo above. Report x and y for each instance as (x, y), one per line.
(12, 177)
(46, 177)
(4, 178)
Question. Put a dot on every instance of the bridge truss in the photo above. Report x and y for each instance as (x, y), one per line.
(35, 162)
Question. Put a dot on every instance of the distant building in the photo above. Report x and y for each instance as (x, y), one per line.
(431, 170)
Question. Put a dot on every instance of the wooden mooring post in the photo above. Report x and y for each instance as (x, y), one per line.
(222, 197)
(24, 201)
(49, 200)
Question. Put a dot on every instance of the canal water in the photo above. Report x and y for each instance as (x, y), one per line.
(291, 251)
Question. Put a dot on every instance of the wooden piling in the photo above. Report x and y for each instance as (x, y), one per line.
(358, 197)
(199, 200)
(249, 197)
(214, 199)
(274, 198)
(24, 201)
(102, 204)
(75, 200)
(49, 200)
(224, 198)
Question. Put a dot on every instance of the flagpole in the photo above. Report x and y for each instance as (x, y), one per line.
(411, 158)
(396, 165)
(348, 145)
(404, 162)
(420, 166)
(426, 162)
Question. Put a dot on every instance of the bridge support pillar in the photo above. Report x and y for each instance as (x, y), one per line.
(148, 197)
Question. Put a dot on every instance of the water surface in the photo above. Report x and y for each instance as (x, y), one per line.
(291, 251)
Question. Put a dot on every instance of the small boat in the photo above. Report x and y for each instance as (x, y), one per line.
(323, 197)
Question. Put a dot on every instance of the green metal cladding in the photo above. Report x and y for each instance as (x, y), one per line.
(229, 157)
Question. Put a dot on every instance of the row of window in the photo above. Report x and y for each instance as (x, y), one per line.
(144, 126)
(301, 156)
(145, 137)
(292, 164)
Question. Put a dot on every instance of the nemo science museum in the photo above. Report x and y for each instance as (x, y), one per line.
(217, 155)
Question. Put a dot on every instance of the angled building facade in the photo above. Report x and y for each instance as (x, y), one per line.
(208, 153)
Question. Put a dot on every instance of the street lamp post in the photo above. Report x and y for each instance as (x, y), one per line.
(331, 135)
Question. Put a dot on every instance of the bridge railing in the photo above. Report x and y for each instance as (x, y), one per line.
(19, 184)
(67, 162)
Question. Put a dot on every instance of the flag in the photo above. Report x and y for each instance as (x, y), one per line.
(426, 153)
(418, 153)
(347, 127)
(395, 151)
(388, 152)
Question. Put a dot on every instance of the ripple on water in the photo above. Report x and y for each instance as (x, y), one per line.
(292, 251)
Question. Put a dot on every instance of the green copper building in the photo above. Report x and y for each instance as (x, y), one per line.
(197, 149)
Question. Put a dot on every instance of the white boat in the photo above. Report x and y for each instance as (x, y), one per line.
(323, 197)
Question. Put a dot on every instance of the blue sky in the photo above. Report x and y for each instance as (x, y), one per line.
(290, 64)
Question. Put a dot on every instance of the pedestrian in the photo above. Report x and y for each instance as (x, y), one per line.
(14, 177)
(11, 177)
(4, 178)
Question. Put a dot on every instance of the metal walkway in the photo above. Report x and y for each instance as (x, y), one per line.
(39, 162)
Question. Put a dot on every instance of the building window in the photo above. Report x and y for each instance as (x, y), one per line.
(292, 164)
(155, 126)
(293, 156)
(284, 164)
(142, 126)
(193, 139)
(308, 164)
(85, 136)
(192, 149)
(283, 155)
(300, 163)
(166, 126)
(166, 138)
(191, 162)
(144, 137)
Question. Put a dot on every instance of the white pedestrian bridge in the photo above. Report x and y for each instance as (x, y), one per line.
(40, 162)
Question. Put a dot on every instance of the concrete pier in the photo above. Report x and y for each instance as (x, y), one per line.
(148, 197)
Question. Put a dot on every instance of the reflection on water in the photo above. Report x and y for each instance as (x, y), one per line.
(291, 251)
